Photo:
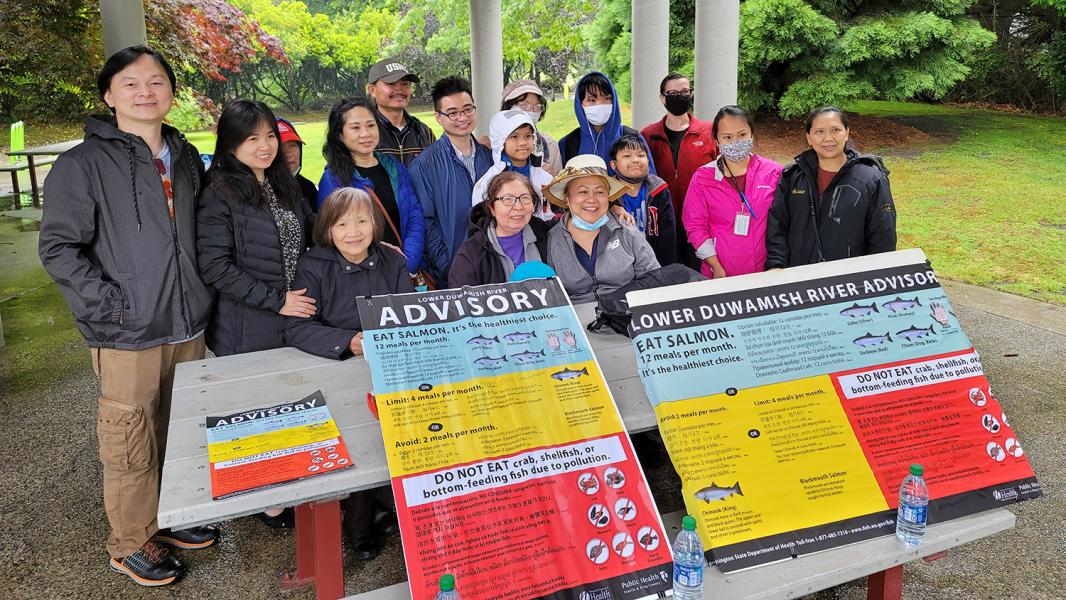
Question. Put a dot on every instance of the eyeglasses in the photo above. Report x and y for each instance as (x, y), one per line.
(509, 200)
(530, 107)
(682, 93)
(457, 114)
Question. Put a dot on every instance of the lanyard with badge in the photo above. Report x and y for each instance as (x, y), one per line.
(742, 222)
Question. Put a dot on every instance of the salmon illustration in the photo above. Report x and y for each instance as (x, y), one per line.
(714, 492)
(523, 357)
(490, 362)
(857, 310)
(871, 340)
(912, 333)
(568, 373)
(900, 304)
(518, 337)
(483, 342)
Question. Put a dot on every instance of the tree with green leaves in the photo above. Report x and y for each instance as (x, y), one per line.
(798, 54)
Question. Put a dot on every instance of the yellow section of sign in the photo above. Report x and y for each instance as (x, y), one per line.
(274, 440)
(747, 458)
(495, 416)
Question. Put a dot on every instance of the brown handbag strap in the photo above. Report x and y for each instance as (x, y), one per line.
(385, 214)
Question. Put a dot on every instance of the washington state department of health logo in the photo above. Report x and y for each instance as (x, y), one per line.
(600, 594)
(1005, 494)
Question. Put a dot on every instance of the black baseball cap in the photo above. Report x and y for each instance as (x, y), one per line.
(390, 70)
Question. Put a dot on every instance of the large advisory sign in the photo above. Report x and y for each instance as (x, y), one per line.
(509, 461)
(792, 403)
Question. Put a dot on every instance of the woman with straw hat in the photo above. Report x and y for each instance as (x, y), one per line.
(592, 252)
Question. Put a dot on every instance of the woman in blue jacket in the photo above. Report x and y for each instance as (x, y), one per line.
(352, 161)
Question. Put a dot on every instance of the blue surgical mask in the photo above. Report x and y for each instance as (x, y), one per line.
(583, 224)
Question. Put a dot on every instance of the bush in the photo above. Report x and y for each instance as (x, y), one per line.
(192, 111)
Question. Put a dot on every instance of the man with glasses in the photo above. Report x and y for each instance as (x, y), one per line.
(680, 143)
(401, 136)
(445, 172)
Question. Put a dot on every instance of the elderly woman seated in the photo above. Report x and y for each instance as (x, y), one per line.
(592, 253)
(502, 233)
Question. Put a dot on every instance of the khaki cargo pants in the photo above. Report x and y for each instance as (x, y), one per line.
(131, 426)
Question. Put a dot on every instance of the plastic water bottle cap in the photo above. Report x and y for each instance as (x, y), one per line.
(447, 582)
(688, 523)
(916, 469)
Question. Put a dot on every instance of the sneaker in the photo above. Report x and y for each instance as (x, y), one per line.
(193, 538)
(153, 565)
(285, 520)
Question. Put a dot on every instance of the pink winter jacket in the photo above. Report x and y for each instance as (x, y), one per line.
(711, 205)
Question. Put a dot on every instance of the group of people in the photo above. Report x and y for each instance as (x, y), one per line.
(160, 259)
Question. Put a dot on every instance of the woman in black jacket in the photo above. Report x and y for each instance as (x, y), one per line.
(346, 262)
(501, 235)
(832, 203)
(252, 227)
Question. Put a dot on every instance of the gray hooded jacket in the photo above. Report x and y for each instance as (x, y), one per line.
(622, 255)
(128, 274)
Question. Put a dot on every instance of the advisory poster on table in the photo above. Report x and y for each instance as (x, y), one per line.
(509, 461)
(792, 402)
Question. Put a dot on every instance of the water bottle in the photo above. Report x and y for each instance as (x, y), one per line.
(447, 588)
(913, 502)
(688, 562)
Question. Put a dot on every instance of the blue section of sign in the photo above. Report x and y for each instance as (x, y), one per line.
(492, 346)
(712, 358)
(256, 425)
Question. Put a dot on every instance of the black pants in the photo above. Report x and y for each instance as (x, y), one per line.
(358, 515)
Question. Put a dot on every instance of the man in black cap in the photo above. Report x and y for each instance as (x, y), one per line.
(401, 136)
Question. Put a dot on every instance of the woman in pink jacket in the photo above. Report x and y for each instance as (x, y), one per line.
(728, 200)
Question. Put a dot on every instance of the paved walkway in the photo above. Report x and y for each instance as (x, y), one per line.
(52, 523)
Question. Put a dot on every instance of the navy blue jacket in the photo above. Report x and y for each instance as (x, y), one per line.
(444, 188)
(411, 223)
(336, 283)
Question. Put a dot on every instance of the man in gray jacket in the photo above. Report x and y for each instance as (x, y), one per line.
(118, 236)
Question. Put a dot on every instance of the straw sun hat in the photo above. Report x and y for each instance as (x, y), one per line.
(582, 165)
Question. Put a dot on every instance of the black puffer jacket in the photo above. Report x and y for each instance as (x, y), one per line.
(239, 251)
(336, 283)
(127, 272)
(854, 217)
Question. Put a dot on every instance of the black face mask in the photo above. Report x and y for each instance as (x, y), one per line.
(678, 105)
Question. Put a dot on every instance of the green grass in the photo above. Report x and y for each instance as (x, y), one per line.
(987, 203)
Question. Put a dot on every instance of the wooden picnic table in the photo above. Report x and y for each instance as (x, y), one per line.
(231, 384)
(31, 154)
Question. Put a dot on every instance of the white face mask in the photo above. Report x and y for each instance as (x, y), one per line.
(598, 114)
(533, 116)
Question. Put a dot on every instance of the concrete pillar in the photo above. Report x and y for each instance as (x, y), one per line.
(650, 60)
(123, 24)
(486, 59)
(717, 53)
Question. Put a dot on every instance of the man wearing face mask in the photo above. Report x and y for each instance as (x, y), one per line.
(680, 143)
(599, 121)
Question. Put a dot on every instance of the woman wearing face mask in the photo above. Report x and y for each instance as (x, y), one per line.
(513, 138)
(353, 160)
(503, 233)
(599, 121)
(592, 253)
(348, 261)
(728, 200)
(525, 95)
(833, 203)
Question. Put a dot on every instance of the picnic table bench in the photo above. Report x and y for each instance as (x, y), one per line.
(227, 385)
(49, 152)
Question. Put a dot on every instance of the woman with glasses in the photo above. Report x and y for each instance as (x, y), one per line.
(503, 233)
(525, 95)
(679, 143)
(592, 253)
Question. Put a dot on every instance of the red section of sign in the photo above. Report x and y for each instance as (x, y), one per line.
(956, 430)
(261, 473)
(548, 534)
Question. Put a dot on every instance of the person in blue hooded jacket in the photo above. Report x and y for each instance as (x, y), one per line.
(445, 172)
(352, 160)
(599, 121)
